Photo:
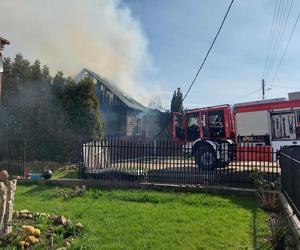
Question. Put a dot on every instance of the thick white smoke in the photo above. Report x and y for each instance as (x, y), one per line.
(68, 35)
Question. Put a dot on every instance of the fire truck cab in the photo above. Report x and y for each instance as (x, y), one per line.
(211, 131)
(215, 132)
(204, 123)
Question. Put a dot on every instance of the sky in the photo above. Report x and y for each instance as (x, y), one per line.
(156, 46)
(180, 33)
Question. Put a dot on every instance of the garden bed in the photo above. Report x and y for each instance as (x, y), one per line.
(40, 231)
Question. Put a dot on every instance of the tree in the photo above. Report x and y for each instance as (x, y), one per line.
(46, 75)
(21, 69)
(82, 107)
(58, 83)
(16, 75)
(177, 101)
(53, 117)
(36, 72)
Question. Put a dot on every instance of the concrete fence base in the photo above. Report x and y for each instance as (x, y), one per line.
(154, 186)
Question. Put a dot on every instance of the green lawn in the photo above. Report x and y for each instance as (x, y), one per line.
(67, 172)
(137, 219)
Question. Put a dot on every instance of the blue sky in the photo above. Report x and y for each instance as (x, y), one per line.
(150, 47)
(180, 32)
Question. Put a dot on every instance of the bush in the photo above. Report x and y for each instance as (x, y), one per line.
(267, 192)
(67, 194)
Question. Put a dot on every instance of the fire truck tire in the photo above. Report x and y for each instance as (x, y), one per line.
(205, 157)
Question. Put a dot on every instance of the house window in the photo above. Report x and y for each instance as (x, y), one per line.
(283, 126)
(138, 127)
(109, 98)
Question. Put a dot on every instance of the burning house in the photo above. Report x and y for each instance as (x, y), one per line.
(123, 115)
(3, 42)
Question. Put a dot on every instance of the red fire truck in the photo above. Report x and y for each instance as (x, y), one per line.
(217, 132)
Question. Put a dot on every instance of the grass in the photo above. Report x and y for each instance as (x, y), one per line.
(67, 172)
(137, 219)
(60, 170)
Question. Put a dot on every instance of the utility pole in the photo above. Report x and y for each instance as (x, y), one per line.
(263, 88)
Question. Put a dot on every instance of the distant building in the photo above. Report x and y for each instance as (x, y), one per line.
(123, 115)
(3, 42)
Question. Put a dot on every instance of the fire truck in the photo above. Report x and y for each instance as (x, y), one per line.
(217, 134)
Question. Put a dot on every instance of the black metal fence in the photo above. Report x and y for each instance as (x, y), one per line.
(290, 179)
(176, 163)
(12, 159)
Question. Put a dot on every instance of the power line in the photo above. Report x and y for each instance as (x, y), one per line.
(287, 12)
(203, 62)
(286, 48)
(270, 38)
(208, 52)
(283, 87)
(249, 94)
(283, 13)
(273, 32)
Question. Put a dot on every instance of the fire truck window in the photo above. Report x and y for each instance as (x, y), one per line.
(178, 127)
(283, 126)
(216, 124)
(192, 128)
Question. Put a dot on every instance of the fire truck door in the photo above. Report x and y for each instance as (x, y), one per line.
(178, 129)
(193, 126)
(204, 125)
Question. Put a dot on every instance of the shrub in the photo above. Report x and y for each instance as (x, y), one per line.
(266, 191)
(67, 194)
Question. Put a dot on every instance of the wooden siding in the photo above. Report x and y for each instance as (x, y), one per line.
(121, 120)
(134, 122)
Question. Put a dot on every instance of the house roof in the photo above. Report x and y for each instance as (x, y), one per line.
(127, 100)
(4, 41)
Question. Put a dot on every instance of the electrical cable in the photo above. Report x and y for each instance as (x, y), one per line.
(270, 40)
(202, 64)
(274, 32)
(249, 94)
(287, 12)
(283, 87)
(286, 48)
(208, 52)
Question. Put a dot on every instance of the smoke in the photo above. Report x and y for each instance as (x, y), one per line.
(67, 35)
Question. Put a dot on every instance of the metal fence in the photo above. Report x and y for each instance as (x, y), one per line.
(176, 163)
(12, 159)
(290, 165)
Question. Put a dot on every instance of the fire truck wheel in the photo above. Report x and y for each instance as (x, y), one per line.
(205, 158)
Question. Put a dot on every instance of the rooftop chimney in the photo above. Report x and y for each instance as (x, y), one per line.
(3, 42)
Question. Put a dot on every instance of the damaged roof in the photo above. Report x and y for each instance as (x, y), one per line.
(127, 100)
(4, 41)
